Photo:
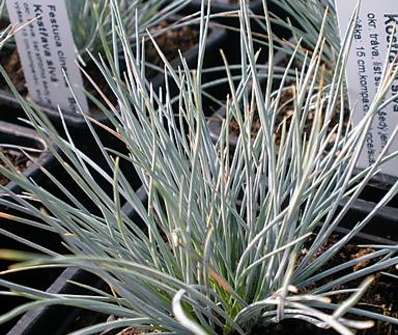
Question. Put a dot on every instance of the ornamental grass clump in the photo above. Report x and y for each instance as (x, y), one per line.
(228, 240)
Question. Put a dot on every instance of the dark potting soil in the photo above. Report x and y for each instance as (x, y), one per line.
(285, 114)
(17, 158)
(381, 297)
(128, 331)
(88, 318)
(170, 41)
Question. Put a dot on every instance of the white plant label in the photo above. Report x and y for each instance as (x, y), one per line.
(47, 53)
(372, 35)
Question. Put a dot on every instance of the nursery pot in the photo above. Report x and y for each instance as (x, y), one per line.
(55, 319)
(11, 134)
(77, 122)
(386, 219)
(59, 320)
(16, 135)
(223, 6)
(62, 320)
(232, 7)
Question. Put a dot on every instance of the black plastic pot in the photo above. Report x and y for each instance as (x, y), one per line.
(223, 6)
(58, 320)
(76, 122)
(219, 7)
(16, 135)
(385, 224)
(11, 134)
(22, 136)
(55, 319)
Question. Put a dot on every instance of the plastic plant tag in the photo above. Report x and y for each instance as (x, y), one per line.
(47, 52)
(375, 26)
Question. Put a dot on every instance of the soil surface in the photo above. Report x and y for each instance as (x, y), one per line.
(381, 297)
(131, 332)
(170, 41)
(284, 115)
(17, 158)
(88, 318)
